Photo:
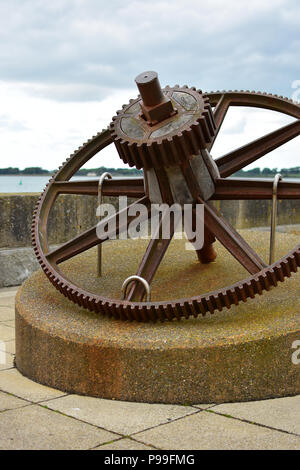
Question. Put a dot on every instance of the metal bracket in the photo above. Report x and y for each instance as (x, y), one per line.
(277, 178)
(136, 278)
(100, 184)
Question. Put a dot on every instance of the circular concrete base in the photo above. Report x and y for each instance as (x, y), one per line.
(240, 354)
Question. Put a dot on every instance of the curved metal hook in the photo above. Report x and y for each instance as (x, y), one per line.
(136, 278)
(100, 184)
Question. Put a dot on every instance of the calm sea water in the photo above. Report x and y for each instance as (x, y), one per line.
(29, 184)
(36, 184)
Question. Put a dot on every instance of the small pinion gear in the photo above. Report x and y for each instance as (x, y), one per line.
(170, 131)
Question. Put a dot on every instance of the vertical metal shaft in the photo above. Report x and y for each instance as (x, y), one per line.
(99, 247)
(149, 88)
(277, 178)
(155, 106)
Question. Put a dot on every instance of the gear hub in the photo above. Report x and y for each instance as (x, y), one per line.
(162, 127)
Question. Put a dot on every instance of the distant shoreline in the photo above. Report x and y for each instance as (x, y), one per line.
(21, 175)
(91, 172)
(117, 175)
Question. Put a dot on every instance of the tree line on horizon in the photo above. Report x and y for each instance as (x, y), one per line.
(36, 170)
(293, 172)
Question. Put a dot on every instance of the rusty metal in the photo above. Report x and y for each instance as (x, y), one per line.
(136, 279)
(277, 178)
(155, 105)
(133, 187)
(155, 146)
(160, 158)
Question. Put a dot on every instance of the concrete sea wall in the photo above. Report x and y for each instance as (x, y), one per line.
(73, 214)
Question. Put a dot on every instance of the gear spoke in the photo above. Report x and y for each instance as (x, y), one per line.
(90, 238)
(252, 188)
(232, 240)
(151, 259)
(243, 156)
(131, 187)
(207, 253)
(220, 112)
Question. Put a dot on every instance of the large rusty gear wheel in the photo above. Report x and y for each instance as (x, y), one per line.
(262, 277)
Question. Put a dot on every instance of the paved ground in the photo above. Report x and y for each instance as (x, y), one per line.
(33, 416)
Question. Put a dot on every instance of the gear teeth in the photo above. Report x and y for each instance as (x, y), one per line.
(292, 263)
(188, 307)
(250, 287)
(160, 313)
(233, 296)
(243, 293)
(207, 305)
(141, 312)
(249, 290)
(279, 273)
(162, 152)
(177, 311)
(272, 277)
(259, 287)
(263, 280)
(286, 269)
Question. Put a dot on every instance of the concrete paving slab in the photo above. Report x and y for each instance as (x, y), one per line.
(8, 346)
(10, 323)
(124, 444)
(7, 298)
(279, 413)
(118, 416)
(9, 402)
(207, 430)
(6, 360)
(4, 291)
(34, 427)
(6, 333)
(12, 381)
(7, 301)
(7, 313)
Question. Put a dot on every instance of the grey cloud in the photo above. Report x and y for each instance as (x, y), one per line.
(81, 50)
(8, 124)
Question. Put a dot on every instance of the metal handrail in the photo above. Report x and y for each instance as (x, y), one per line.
(100, 184)
(277, 178)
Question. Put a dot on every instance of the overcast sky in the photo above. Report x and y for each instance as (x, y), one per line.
(68, 65)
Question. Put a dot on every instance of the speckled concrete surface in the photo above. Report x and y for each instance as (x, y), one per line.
(239, 354)
(267, 424)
